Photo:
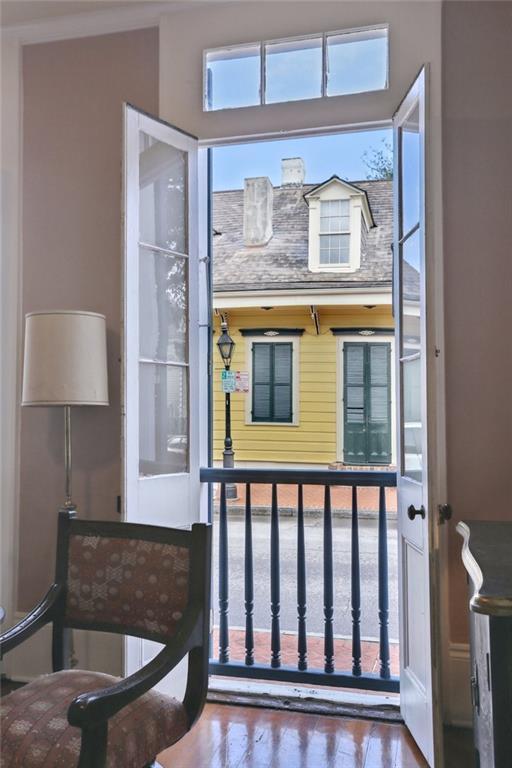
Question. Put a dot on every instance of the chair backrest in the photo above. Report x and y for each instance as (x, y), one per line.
(128, 578)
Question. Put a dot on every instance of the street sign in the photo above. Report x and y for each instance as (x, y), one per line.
(228, 380)
(242, 381)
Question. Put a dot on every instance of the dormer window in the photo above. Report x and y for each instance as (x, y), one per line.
(339, 218)
(334, 232)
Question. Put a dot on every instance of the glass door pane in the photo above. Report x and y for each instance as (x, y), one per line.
(163, 309)
(411, 279)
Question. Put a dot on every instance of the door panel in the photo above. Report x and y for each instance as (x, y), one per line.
(162, 370)
(367, 403)
(417, 641)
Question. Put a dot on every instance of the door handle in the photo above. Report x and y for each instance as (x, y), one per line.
(412, 512)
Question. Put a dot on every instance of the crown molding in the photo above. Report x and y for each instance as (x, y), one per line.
(91, 24)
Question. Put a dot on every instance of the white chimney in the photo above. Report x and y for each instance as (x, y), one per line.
(258, 204)
(293, 171)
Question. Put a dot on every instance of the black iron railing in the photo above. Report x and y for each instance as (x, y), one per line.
(275, 670)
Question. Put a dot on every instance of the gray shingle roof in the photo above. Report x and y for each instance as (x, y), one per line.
(283, 262)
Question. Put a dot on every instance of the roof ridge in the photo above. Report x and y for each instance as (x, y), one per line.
(294, 187)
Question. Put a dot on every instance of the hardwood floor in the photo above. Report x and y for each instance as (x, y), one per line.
(249, 737)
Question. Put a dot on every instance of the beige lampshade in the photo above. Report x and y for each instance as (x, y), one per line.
(65, 359)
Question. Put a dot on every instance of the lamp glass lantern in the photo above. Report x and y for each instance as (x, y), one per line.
(226, 345)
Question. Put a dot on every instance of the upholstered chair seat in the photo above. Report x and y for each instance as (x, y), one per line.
(36, 733)
(144, 581)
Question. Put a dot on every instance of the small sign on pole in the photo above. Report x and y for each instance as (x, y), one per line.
(242, 381)
(228, 380)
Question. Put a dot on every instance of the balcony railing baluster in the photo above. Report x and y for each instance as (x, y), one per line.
(302, 647)
(355, 589)
(249, 581)
(223, 578)
(328, 584)
(302, 672)
(383, 587)
(275, 591)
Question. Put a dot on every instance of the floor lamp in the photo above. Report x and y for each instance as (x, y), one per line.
(65, 364)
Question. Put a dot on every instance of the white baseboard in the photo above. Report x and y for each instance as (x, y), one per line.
(93, 650)
(457, 692)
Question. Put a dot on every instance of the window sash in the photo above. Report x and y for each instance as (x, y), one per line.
(334, 217)
(272, 384)
(335, 249)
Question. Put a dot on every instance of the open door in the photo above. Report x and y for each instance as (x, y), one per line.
(416, 520)
(164, 353)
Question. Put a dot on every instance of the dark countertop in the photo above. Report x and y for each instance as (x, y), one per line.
(487, 556)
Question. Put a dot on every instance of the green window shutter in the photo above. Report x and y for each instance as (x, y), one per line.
(367, 403)
(261, 382)
(379, 403)
(272, 383)
(354, 432)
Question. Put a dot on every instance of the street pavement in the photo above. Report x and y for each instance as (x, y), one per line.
(368, 543)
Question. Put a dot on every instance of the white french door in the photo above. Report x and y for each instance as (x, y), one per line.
(164, 354)
(416, 519)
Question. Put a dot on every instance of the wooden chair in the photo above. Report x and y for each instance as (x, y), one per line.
(139, 580)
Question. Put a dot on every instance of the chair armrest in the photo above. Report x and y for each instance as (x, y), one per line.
(96, 707)
(42, 614)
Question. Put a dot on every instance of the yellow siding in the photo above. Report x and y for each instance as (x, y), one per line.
(313, 440)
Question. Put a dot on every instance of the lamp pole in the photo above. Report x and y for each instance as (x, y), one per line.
(226, 345)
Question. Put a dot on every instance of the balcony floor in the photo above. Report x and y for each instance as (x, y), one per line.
(242, 737)
(342, 651)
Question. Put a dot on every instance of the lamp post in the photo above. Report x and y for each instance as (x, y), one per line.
(226, 345)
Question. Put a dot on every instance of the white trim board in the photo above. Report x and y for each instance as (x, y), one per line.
(301, 297)
(90, 24)
(457, 696)
(10, 321)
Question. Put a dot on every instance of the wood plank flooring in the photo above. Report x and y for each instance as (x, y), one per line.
(248, 737)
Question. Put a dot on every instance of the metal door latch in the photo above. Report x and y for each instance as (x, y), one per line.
(445, 513)
(412, 512)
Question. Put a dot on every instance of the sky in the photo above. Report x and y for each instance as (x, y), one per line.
(339, 154)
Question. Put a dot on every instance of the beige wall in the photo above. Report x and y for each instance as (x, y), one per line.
(72, 139)
(72, 154)
(477, 181)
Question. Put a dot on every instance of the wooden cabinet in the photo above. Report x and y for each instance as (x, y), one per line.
(487, 556)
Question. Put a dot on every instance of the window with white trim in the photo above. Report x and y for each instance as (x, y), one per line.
(272, 382)
(334, 232)
(273, 363)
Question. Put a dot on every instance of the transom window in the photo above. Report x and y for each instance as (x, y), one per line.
(309, 67)
(334, 232)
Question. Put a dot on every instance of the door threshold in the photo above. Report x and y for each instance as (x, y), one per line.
(300, 698)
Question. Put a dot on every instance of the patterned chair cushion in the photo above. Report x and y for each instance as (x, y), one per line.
(133, 584)
(36, 733)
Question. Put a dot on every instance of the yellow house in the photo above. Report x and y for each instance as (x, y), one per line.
(302, 277)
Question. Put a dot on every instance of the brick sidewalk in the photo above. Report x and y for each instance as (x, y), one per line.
(342, 651)
(341, 498)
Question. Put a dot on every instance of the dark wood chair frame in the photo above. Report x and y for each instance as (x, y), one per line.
(91, 711)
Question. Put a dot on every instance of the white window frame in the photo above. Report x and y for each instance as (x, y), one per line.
(262, 339)
(336, 190)
(324, 36)
(373, 339)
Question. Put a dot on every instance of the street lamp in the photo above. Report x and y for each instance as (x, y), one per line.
(226, 345)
